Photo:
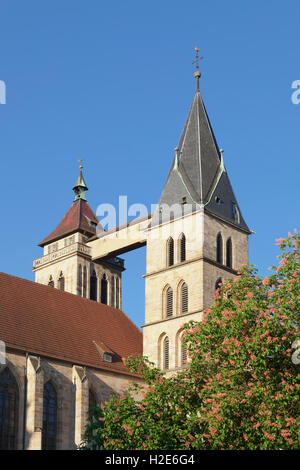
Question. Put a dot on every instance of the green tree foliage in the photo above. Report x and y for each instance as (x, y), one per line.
(240, 389)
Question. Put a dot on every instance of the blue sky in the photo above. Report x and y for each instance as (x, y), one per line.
(112, 83)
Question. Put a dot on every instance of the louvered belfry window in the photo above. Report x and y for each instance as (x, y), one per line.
(169, 302)
(170, 248)
(183, 352)
(166, 353)
(9, 402)
(229, 253)
(182, 248)
(219, 249)
(184, 298)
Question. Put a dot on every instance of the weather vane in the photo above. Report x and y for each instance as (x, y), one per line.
(196, 61)
(197, 74)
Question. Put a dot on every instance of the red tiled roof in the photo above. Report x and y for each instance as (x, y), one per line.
(42, 320)
(76, 220)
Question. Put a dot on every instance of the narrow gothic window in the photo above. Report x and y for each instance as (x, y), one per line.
(104, 287)
(219, 249)
(92, 399)
(79, 282)
(170, 251)
(112, 291)
(184, 298)
(49, 417)
(117, 292)
(61, 282)
(229, 253)
(169, 302)
(183, 352)
(218, 281)
(93, 286)
(166, 353)
(9, 399)
(51, 282)
(182, 248)
(84, 282)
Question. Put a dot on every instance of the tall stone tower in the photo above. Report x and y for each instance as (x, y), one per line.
(197, 238)
(67, 263)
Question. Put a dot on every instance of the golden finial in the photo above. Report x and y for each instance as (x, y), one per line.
(197, 74)
(80, 166)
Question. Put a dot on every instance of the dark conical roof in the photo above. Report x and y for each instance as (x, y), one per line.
(79, 218)
(197, 175)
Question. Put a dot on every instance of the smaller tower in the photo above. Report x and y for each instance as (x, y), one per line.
(67, 263)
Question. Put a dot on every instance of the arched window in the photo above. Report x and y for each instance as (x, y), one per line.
(104, 289)
(79, 281)
(117, 292)
(219, 249)
(183, 352)
(9, 402)
(51, 282)
(229, 253)
(169, 302)
(61, 281)
(92, 399)
(184, 298)
(49, 417)
(84, 282)
(170, 252)
(93, 285)
(166, 353)
(218, 281)
(112, 291)
(182, 248)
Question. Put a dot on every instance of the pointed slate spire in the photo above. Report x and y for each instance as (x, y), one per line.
(80, 187)
(198, 175)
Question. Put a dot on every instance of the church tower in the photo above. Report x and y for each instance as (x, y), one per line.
(67, 262)
(197, 238)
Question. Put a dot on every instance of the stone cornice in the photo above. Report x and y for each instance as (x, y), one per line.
(75, 248)
(173, 317)
(192, 260)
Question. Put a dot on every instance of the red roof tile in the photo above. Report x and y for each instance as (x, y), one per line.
(46, 321)
(76, 220)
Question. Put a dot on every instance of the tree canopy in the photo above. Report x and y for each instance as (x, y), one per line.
(240, 388)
